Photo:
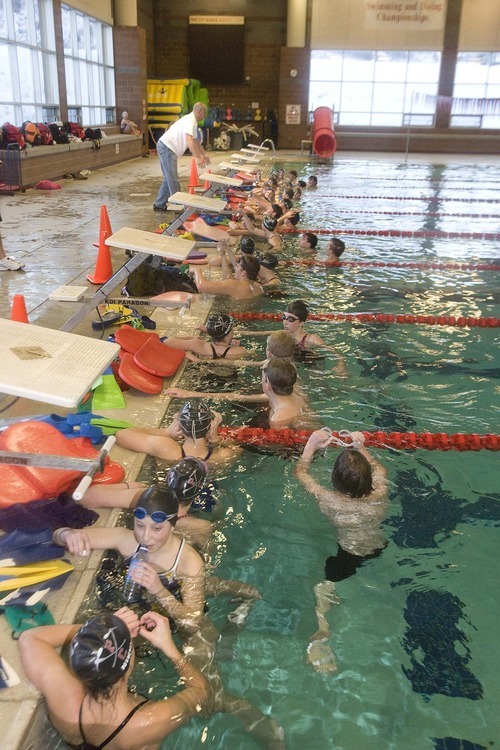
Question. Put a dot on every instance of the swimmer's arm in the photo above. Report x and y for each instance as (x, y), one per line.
(43, 665)
(204, 286)
(83, 541)
(187, 613)
(181, 393)
(340, 367)
(247, 332)
(165, 716)
(195, 345)
(328, 500)
(121, 495)
(153, 442)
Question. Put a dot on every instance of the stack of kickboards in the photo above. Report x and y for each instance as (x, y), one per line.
(145, 360)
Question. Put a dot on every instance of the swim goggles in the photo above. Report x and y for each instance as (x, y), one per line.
(157, 516)
(289, 318)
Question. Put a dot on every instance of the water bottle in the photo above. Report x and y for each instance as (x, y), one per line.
(132, 589)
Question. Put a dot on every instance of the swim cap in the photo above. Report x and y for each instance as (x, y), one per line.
(219, 326)
(101, 650)
(195, 418)
(288, 204)
(247, 245)
(158, 500)
(268, 260)
(187, 477)
(269, 222)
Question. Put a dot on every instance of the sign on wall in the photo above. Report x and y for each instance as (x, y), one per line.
(424, 15)
(293, 114)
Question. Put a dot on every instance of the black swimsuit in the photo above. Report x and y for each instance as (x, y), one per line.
(86, 745)
(219, 356)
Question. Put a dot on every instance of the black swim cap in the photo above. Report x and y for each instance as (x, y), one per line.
(247, 245)
(187, 478)
(195, 418)
(101, 650)
(288, 204)
(219, 326)
(158, 498)
(269, 222)
(268, 260)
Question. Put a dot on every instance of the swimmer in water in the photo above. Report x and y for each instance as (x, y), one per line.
(88, 701)
(356, 507)
(287, 408)
(222, 344)
(192, 432)
(294, 318)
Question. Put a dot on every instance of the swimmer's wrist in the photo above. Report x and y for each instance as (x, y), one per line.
(58, 536)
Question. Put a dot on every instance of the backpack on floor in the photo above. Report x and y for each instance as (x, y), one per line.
(147, 281)
(12, 134)
(45, 134)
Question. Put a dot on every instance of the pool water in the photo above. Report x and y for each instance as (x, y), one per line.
(413, 634)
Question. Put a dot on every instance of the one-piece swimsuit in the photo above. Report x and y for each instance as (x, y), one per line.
(86, 745)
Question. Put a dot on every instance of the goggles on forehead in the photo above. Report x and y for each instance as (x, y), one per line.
(289, 318)
(158, 516)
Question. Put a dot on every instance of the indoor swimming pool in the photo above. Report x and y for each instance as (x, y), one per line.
(413, 630)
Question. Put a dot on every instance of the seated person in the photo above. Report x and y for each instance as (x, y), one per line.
(356, 507)
(88, 701)
(334, 249)
(240, 286)
(174, 574)
(308, 242)
(222, 345)
(195, 425)
(278, 380)
(128, 126)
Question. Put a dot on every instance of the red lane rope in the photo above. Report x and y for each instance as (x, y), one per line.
(429, 198)
(401, 440)
(390, 264)
(401, 233)
(431, 320)
(419, 213)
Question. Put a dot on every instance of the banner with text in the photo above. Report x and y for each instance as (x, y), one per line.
(426, 15)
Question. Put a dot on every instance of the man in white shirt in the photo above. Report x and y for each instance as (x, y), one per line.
(181, 135)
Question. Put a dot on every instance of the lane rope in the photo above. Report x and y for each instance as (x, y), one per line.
(428, 199)
(399, 440)
(391, 264)
(400, 233)
(431, 320)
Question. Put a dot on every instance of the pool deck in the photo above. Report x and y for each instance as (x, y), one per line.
(53, 233)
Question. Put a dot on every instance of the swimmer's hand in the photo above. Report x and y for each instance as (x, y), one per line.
(318, 440)
(358, 440)
(76, 541)
(131, 620)
(174, 429)
(155, 628)
(179, 393)
(212, 435)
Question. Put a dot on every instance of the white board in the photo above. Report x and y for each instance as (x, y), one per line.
(151, 243)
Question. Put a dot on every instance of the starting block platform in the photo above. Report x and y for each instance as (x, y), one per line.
(151, 243)
(198, 201)
(221, 179)
(245, 158)
(51, 366)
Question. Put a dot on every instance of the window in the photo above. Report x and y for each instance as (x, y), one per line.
(374, 87)
(477, 76)
(28, 70)
(88, 62)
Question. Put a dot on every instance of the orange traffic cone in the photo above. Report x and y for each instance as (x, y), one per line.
(194, 180)
(103, 267)
(104, 224)
(207, 182)
(18, 312)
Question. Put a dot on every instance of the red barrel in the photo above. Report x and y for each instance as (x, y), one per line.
(324, 143)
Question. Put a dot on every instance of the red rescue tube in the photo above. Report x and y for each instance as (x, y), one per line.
(324, 143)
